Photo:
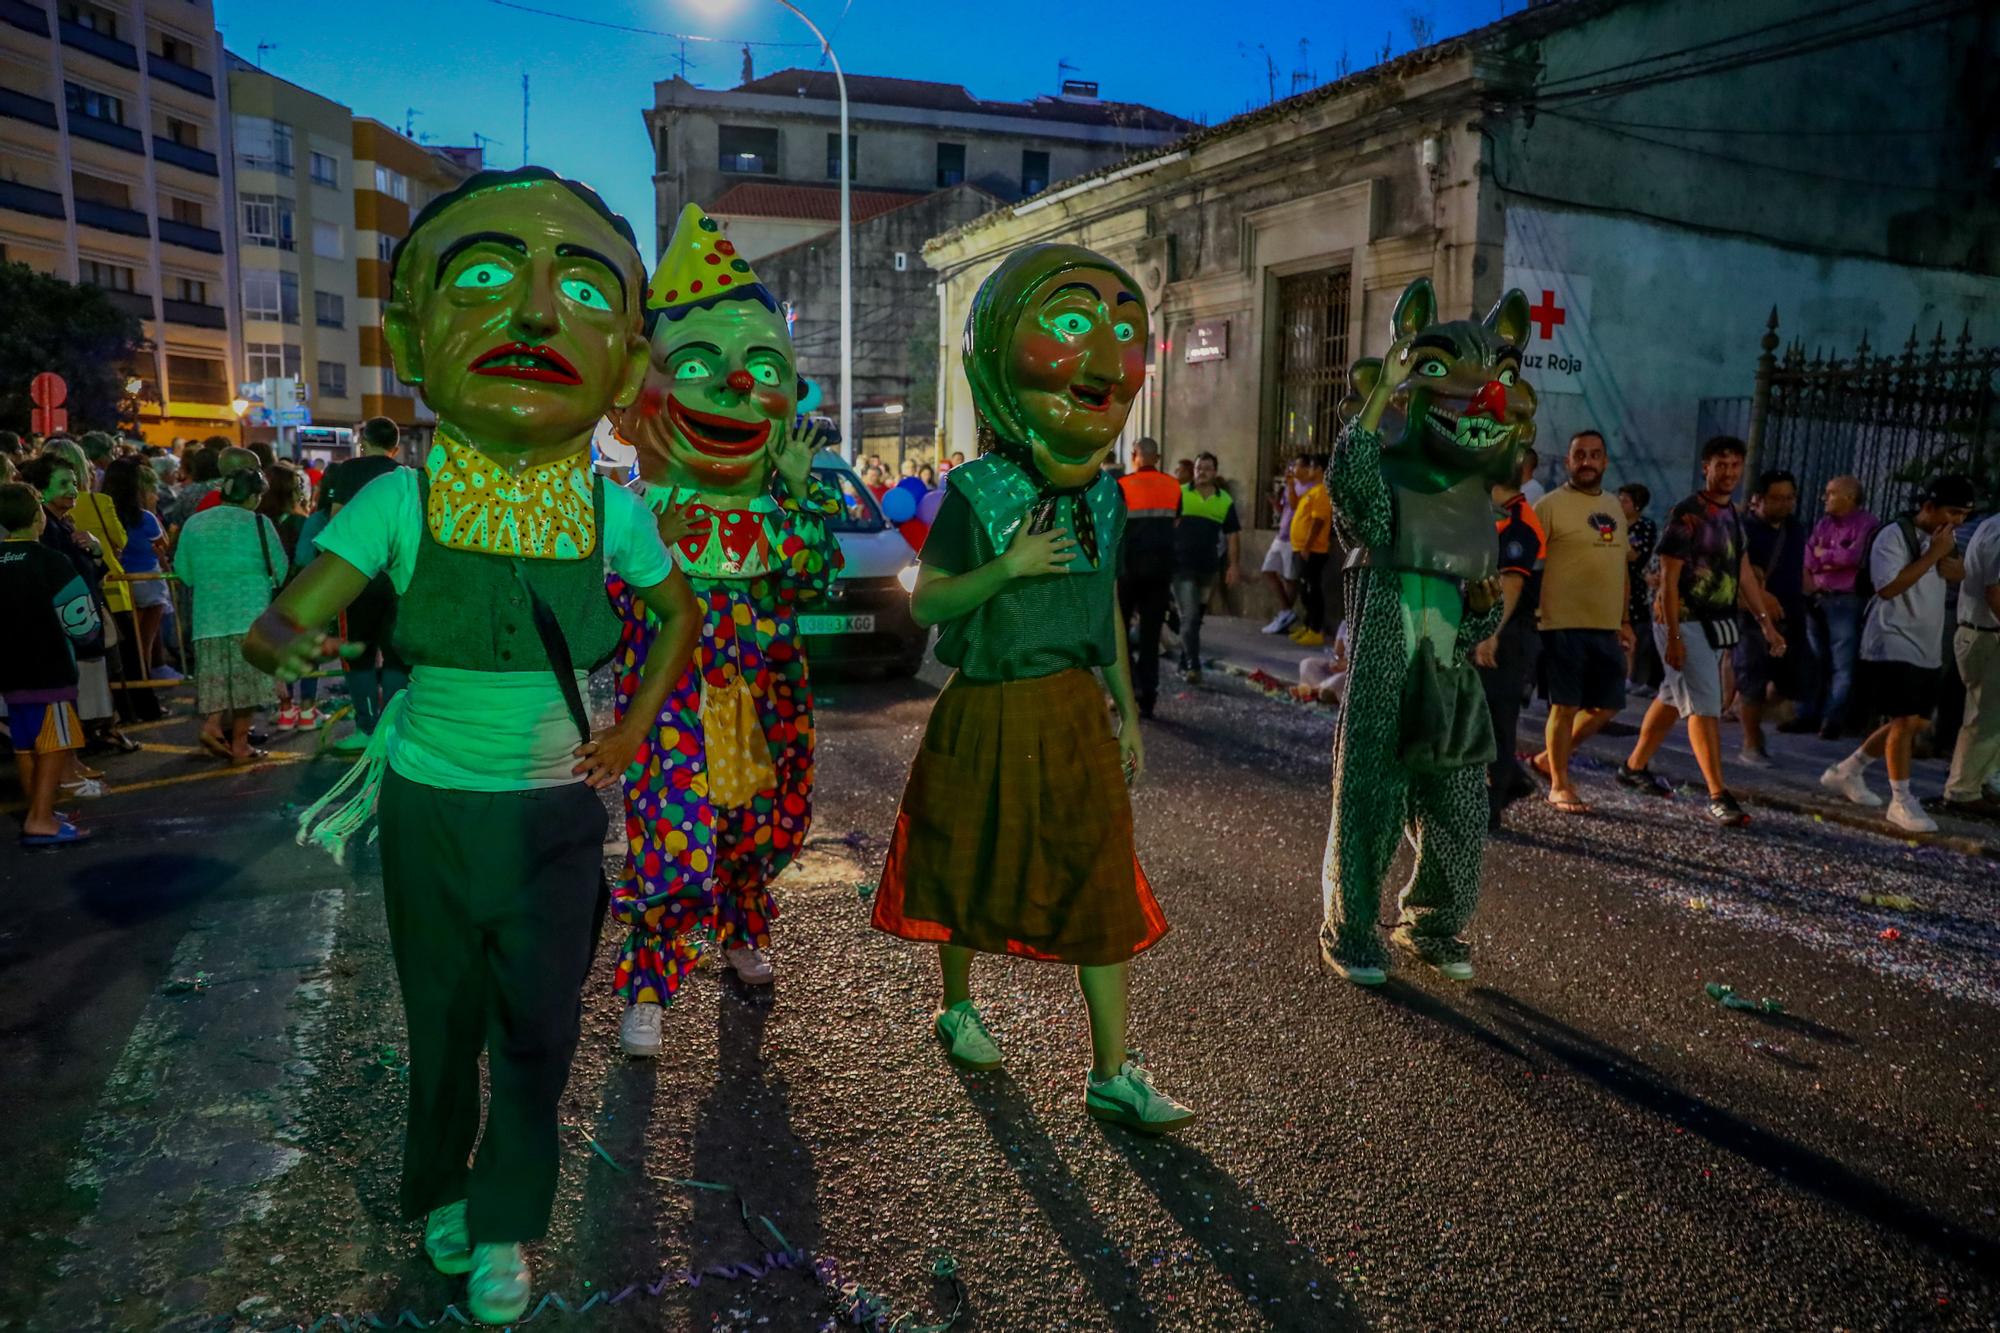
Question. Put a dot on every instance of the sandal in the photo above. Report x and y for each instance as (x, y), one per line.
(119, 741)
(251, 757)
(216, 746)
(65, 835)
(1571, 806)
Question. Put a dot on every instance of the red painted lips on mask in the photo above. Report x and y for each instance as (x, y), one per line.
(719, 437)
(521, 361)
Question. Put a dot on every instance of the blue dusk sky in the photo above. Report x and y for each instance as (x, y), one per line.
(458, 63)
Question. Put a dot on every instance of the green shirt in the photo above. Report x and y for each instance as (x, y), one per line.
(1037, 626)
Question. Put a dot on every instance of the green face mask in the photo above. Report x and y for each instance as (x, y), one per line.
(516, 313)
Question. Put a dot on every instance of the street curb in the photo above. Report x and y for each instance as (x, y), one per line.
(1831, 814)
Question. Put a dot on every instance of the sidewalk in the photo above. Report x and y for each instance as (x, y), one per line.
(1236, 647)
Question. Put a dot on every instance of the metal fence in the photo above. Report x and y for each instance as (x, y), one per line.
(1893, 421)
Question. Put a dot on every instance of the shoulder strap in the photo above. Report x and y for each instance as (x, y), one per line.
(549, 630)
(264, 547)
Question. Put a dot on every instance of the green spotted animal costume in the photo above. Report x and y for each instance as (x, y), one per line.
(1412, 505)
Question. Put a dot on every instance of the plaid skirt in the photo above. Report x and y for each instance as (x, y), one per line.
(1015, 834)
(223, 681)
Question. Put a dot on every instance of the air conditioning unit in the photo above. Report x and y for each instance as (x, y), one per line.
(902, 261)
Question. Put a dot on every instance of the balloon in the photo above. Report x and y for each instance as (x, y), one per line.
(927, 508)
(914, 533)
(899, 506)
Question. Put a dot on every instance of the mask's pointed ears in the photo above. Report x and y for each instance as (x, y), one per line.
(1416, 309)
(809, 395)
(1509, 318)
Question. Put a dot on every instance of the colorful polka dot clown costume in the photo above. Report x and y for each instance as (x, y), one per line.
(720, 798)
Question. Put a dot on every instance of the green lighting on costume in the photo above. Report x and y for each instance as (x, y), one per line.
(487, 275)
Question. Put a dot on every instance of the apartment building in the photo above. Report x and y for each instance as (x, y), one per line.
(295, 239)
(394, 177)
(112, 172)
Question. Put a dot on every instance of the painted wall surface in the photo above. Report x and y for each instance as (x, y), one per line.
(1675, 316)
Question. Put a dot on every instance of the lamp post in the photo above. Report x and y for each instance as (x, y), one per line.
(846, 248)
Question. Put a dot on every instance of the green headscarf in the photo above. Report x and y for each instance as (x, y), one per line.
(989, 334)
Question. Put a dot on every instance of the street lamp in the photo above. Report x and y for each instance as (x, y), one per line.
(846, 247)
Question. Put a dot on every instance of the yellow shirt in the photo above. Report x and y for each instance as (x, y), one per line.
(95, 514)
(1314, 509)
(1583, 575)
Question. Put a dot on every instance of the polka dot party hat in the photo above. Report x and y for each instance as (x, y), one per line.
(700, 268)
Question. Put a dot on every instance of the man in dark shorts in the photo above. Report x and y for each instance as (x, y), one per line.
(377, 675)
(1776, 543)
(1506, 661)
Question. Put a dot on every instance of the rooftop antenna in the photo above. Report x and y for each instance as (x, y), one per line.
(1064, 67)
(481, 141)
(524, 120)
(410, 115)
(262, 47)
(1302, 77)
(682, 58)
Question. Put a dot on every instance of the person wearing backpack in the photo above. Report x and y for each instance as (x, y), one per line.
(1902, 642)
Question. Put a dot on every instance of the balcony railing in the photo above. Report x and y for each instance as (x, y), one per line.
(181, 76)
(97, 44)
(180, 155)
(196, 313)
(110, 217)
(27, 17)
(20, 106)
(191, 236)
(107, 131)
(136, 303)
(27, 199)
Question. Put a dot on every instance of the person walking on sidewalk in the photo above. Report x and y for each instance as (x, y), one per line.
(47, 609)
(1705, 574)
(1974, 786)
(1584, 603)
(1311, 536)
(1205, 545)
(1902, 644)
(1282, 563)
(1506, 661)
(1777, 546)
(1642, 535)
(1834, 555)
(1146, 565)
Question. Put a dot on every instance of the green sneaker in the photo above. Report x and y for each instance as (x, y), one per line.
(353, 743)
(446, 1240)
(499, 1287)
(1447, 957)
(1361, 974)
(967, 1040)
(1129, 1098)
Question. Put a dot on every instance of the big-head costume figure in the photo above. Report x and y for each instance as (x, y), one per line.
(1015, 834)
(720, 799)
(1414, 736)
(515, 310)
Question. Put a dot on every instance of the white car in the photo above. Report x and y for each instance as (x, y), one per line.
(864, 619)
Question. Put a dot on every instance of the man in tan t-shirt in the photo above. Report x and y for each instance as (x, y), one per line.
(1584, 610)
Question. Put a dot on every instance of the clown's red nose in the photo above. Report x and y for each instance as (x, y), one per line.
(1489, 402)
(740, 381)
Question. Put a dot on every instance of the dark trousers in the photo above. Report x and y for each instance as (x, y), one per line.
(1146, 597)
(134, 705)
(494, 902)
(1312, 590)
(1506, 685)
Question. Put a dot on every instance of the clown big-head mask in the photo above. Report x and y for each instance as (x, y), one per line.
(723, 383)
(1055, 351)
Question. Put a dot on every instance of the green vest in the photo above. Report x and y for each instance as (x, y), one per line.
(465, 609)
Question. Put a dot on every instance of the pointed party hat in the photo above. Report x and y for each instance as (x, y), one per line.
(701, 267)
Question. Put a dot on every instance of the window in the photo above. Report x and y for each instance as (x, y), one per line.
(385, 247)
(950, 164)
(332, 379)
(270, 361)
(270, 294)
(188, 211)
(264, 144)
(183, 132)
(94, 103)
(329, 310)
(88, 16)
(833, 157)
(328, 241)
(747, 148)
(660, 148)
(98, 190)
(325, 171)
(1034, 171)
(99, 273)
(1312, 371)
(200, 378)
(267, 220)
(392, 183)
(192, 290)
(178, 50)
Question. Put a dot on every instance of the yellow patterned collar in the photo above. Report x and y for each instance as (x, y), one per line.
(477, 504)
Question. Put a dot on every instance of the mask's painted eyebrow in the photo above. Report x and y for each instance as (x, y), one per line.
(1125, 296)
(1083, 287)
(568, 251)
(453, 250)
(766, 351)
(710, 348)
(1437, 340)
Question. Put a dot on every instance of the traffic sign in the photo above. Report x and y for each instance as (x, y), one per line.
(48, 392)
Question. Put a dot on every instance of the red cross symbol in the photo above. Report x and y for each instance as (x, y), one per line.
(1548, 314)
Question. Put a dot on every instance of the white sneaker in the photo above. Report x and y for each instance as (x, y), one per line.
(1848, 782)
(1129, 1098)
(1753, 759)
(85, 789)
(1281, 622)
(500, 1283)
(1909, 814)
(639, 1030)
(753, 966)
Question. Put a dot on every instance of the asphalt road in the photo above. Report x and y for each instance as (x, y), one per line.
(200, 1040)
